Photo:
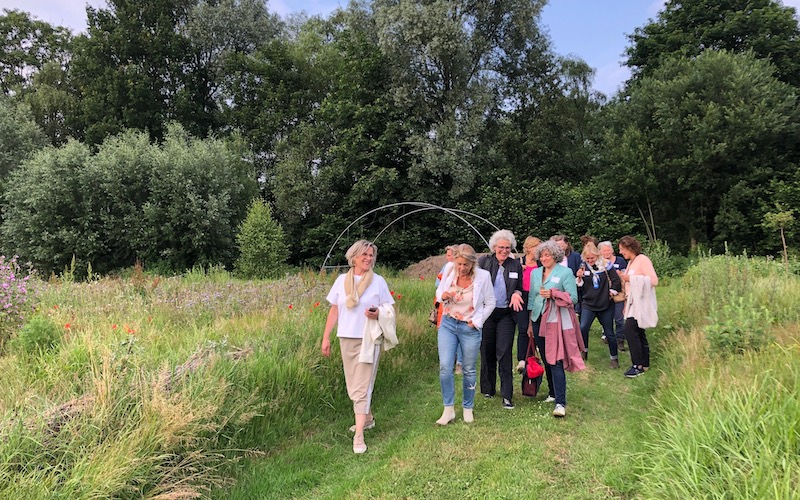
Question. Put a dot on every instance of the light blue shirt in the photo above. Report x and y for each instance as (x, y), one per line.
(500, 291)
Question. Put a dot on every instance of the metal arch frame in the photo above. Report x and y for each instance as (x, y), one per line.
(425, 206)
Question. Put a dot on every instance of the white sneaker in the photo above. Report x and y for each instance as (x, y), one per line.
(521, 366)
(370, 424)
(549, 399)
(559, 411)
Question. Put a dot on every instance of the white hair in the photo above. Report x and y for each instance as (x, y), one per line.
(503, 234)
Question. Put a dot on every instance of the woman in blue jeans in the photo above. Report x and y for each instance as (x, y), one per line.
(598, 282)
(468, 299)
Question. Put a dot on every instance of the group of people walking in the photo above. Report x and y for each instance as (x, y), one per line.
(551, 295)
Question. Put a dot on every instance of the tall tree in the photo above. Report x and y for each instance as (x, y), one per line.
(27, 45)
(686, 28)
(451, 60)
(131, 66)
(699, 141)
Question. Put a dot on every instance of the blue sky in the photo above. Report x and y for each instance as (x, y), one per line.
(594, 30)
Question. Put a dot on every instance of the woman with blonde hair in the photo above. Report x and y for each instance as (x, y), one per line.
(355, 297)
(467, 297)
(598, 283)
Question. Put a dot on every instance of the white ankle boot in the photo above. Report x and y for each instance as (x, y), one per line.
(448, 415)
(468, 417)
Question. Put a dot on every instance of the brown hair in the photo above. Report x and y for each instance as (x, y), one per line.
(631, 244)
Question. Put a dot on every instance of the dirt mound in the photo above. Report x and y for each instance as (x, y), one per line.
(429, 267)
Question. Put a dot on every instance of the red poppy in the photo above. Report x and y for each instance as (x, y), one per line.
(317, 304)
(399, 296)
(391, 292)
(290, 306)
(114, 326)
(421, 277)
(55, 306)
(67, 326)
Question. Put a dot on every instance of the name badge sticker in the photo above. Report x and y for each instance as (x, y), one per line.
(586, 273)
(556, 279)
(513, 276)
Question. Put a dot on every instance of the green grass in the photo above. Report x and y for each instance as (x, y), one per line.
(261, 414)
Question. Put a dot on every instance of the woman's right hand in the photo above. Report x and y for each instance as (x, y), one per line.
(446, 296)
(326, 347)
(545, 293)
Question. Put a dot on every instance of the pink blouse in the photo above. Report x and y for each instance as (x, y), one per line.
(460, 305)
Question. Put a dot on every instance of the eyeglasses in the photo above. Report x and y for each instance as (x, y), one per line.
(503, 248)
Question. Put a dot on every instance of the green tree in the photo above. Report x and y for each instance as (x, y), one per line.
(699, 142)
(262, 249)
(452, 61)
(27, 45)
(688, 28)
(131, 66)
(19, 136)
(173, 205)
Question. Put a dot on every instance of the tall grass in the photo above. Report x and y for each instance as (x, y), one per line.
(153, 387)
(728, 426)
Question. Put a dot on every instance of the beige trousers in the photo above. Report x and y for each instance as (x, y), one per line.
(359, 377)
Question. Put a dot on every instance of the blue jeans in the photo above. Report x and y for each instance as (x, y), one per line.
(452, 334)
(606, 319)
(619, 321)
(556, 377)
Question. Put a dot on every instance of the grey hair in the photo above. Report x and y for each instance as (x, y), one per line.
(606, 244)
(551, 247)
(503, 234)
(358, 248)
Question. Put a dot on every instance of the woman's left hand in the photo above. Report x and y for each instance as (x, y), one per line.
(371, 313)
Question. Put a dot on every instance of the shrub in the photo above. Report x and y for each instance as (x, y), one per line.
(39, 334)
(16, 299)
(738, 327)
(261, 243)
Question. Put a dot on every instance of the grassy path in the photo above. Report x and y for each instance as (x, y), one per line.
(523, 452)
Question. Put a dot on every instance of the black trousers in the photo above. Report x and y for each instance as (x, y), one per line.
(637, 343)
(523, 320)
(496, 352)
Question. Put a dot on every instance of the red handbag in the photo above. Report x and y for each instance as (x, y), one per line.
(532, 375)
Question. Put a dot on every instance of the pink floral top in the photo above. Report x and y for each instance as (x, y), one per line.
(460, 305)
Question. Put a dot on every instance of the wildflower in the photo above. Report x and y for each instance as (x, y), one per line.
(421, 277)
(291, 307)
(67, 326)
(114, 326)
(391, 292)
(55, 306)
(398, 296)
(317, 304)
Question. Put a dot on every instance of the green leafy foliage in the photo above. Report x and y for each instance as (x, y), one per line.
(738, 326)
(39, 334)
(19, 136)
(26, 45)
(176, 204)
(685, 29)
(262, 249)
(699, 142)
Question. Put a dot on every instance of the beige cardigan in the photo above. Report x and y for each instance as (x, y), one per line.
(641, 303)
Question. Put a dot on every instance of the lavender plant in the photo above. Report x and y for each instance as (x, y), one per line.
(17, 295)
